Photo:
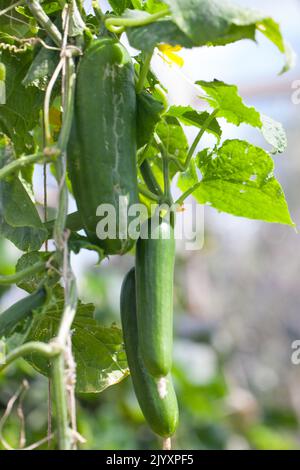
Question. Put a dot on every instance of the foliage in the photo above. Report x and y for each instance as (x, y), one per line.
(234, 176)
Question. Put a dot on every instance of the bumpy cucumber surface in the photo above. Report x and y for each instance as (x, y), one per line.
(154, 289)
(102, 146)
(20, 310)
(156, 397)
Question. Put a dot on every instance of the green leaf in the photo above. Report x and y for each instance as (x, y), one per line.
(119, 6)
(227, 100)
(238, 179)
(271, 30)
(174, 139)
(161, 32)
(98, 351)
(188, 179)
(19, 219)
(32, 282)
(231, 107)
(78, 243)
(149, 112)
(194, 23)
(12, 24)
(190, 117)
(274, 134)
(42, 68)
(210, 21)
(21, 113)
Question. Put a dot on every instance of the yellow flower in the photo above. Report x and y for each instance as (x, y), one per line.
(169, 54)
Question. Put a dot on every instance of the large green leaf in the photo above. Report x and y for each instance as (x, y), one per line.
(98, 351)
(230, 106)
(238, 179)
(21, 113)
(19, 219)
(194, 23)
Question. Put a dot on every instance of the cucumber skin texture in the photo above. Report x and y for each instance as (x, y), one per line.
(155, 260)
(102, 146)
(20, 310)
(160, 413)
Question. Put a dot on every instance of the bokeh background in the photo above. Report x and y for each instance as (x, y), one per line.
(237, 301)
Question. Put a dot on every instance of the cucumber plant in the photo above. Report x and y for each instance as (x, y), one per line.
(75, 100)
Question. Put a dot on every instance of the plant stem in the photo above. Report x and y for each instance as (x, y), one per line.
(145, 192)
(144, 71)
(44, 20)
(60, 393)
(26, 160)
(167, 443)
(203, 129)
(11, 7)
(69, 105)
(150, 179)
(33, 347)
(135, 22)
(20, 275)
(187, 193)
(98, 12)
(69, 310)
(59, 396)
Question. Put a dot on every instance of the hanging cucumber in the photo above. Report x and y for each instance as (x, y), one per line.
(156, 397)
(20, 310)
(155, 257)
(102, 146)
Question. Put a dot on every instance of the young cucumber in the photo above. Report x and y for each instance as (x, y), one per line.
(156, 397)
(20, 310)
(155, 258)
(102, 145)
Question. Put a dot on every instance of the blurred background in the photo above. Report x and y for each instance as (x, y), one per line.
(236, 301)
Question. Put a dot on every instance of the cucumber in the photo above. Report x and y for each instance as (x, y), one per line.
(155, 259)
(20, 310)
(156, 397)
(102, 146)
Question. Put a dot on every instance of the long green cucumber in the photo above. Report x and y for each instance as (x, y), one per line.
(156, 397)
(155, 257)
(20, 310)
(102, 145)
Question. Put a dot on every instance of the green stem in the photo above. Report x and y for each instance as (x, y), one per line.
(20, 275)
(194, 146)
(69, 106)
(181, 166)
(69, 309)
(166, 171)
(144, 72)
(26, 160)
(150, 179)
(135, 22)
(145, 192)
(60, 392)
(98, 12)
(187, 193)
(166, 168)
(44, 20)
(59, 396)
(33, 347)
(11, 7)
